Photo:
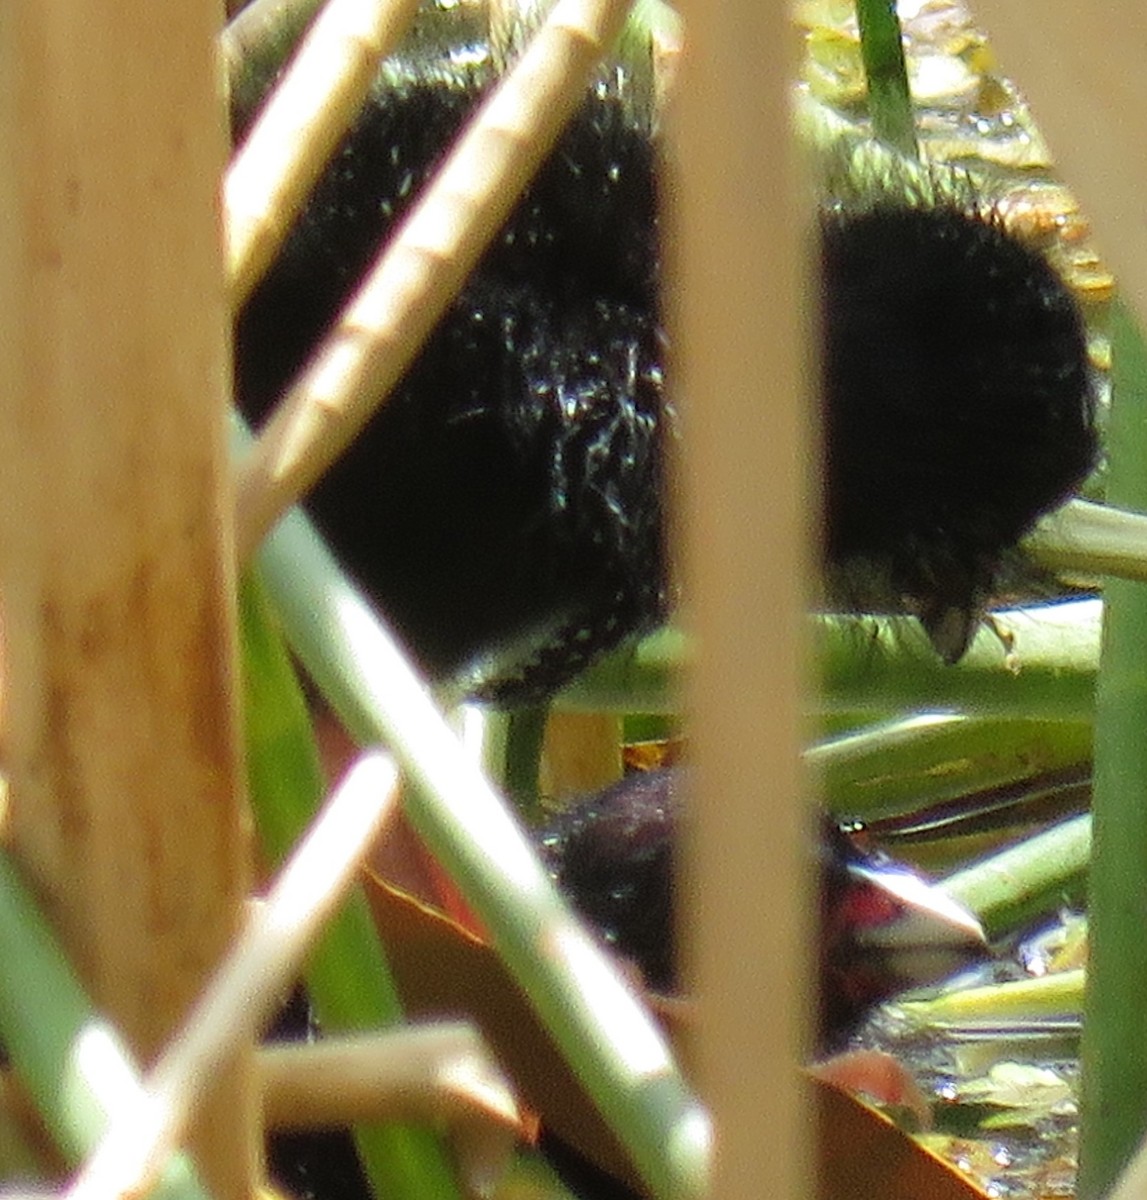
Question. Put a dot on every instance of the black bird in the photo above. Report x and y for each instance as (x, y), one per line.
(958, 403)
(509, 493)
(507, 500)
(882, 927)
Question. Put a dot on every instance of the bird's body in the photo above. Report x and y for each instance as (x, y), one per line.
(509, 492)
(957, 403)
(882, 928)
(507, 501)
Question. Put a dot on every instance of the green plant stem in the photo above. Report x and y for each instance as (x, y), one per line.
(523, 734)
(74, 1065)
(1057, 995)
(641, 676)
(889, 99)
(1095, 539)
(348, 979)
(908, 763)
(1039, 874)
(604, 1032)
(1114, 1046)
(887, 662)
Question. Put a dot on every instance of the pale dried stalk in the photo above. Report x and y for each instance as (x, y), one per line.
(437, 247)
(246, 987)
(294, 136)
(737, 298)
(122, 740)
(440, 1073)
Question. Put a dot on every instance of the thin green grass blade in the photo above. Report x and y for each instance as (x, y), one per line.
(348, 979)
(605, 1034)
(1114, 1046)
(73, 1063)
(889, 99)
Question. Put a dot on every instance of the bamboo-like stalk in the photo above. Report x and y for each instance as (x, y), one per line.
(740, 378)
(436, 247)
(244, 991)
(120, 724)
(293, 137)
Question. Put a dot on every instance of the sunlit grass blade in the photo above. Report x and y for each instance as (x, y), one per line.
(1038, 875)
(889, 98)
(348, 979)
(1055, 995)
(76, 1067)
(1114, 1049)
(605, 1033)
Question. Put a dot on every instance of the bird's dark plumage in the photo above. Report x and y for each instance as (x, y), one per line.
(511, 487)
(957, 405)
(507, 500)
(881, 929)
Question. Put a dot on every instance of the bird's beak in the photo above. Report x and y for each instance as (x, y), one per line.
(917, 932)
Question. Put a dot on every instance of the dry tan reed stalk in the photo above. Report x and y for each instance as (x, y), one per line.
(121, 726)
